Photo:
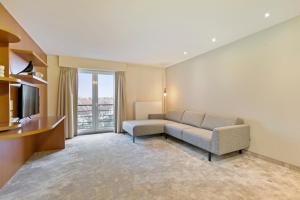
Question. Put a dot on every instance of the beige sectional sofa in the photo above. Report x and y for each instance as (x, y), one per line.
(215, 134)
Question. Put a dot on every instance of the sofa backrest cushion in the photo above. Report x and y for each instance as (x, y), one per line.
(211, 121)
(174, 116)
(192, 118)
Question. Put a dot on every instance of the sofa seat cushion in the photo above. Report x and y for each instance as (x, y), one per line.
(175, 129)
(144, 127)
(192, 118)
(174, 116)
(198, 137)
(211, 122)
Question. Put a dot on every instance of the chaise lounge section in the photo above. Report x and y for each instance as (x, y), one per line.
(215, 134)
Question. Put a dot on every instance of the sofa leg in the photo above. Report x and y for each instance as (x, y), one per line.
(166, 136)
(209, 156)
(133, 139)
(240, 151)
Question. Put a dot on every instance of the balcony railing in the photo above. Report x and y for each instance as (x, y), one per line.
(104, 120)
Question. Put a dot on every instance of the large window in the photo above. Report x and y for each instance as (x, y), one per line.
(95, 102)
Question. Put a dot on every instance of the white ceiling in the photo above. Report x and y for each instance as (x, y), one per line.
(153, 32)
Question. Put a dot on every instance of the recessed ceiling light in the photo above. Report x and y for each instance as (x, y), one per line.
(267, 15)
(185, 53)
(213, 39)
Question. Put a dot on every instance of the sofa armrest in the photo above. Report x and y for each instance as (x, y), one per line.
(156, 116)
(230, 138)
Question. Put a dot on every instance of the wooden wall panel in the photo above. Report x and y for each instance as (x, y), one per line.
(15, 63)
(4, 87)
(15, 151)
(16, 146)
(52, 140)
(13, 154)
(7, 22)
(4, 57)
(4, 103)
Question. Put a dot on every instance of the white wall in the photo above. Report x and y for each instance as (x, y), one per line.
(258, 79)
(144, 83)
(53, 74)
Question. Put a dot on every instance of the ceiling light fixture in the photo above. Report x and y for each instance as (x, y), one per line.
(185, 53)
(213, 39)
(267, 15)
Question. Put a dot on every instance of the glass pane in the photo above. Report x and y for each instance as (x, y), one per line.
(85, 102)
(105, 101)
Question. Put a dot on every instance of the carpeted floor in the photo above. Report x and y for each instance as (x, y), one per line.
(110, 166)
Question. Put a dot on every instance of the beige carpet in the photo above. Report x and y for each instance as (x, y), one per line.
(110, 166)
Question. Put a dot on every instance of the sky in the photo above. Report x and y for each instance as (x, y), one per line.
(105, 85)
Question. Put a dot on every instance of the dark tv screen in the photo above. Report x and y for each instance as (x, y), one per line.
(28, 101)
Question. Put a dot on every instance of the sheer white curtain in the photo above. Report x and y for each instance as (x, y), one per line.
(120, 100)
(67, 99)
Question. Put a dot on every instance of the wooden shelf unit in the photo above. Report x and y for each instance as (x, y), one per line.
(30, 56)
(35, 135)
(9, 80)
(30, 79)
(9, 126)
(33, 126)
(42, 133)
(8, 37)
(11, 57)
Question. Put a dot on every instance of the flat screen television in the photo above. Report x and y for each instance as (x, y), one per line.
(28, 101)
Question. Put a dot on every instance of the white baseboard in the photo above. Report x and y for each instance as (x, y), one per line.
(272, 160)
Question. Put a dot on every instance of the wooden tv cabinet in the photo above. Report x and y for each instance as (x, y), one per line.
(35, 135)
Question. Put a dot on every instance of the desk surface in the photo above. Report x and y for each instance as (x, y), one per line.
(34, 126)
